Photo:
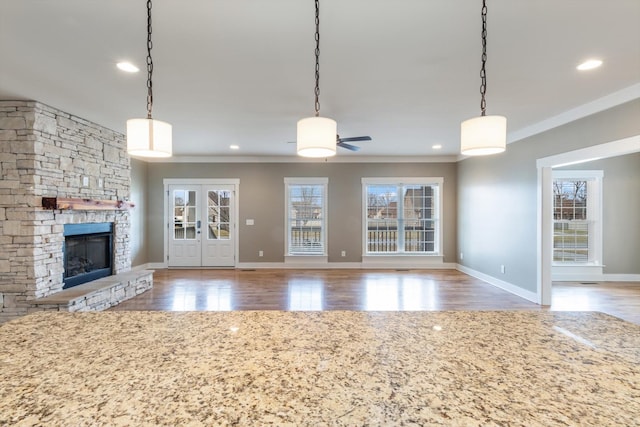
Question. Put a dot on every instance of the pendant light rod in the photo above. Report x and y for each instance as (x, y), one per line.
(317, 136)
(483, 71)
(149, 62)
(484, 134)
(317, 52)
(149, 137)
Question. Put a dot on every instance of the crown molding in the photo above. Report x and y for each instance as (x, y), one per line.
(296, 159)
(609, 101)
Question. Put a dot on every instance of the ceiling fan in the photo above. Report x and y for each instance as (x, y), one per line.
(342, 142)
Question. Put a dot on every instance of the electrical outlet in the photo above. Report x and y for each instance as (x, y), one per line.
(461, 256)
(343, 253)
(260, 253)
(502, 270)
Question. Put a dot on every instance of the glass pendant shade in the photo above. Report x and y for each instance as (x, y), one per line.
(148, 138)
(317, 137)
(483, 135)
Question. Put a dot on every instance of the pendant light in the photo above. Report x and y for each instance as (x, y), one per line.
(149, 137)
(485, 134)
(316, 136)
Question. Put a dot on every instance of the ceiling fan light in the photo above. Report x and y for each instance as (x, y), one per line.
(316, 137)
(148, 138)
(483, 135)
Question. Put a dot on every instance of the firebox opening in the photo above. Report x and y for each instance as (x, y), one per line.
(88, 252)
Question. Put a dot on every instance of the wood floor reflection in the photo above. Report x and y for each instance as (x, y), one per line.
(620, 299)
(364, 290)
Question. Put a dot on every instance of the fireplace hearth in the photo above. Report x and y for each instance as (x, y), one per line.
(88, 252)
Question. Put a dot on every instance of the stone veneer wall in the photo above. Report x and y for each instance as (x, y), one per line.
(46, 152)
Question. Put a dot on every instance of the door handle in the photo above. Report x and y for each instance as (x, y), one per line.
(198, 224)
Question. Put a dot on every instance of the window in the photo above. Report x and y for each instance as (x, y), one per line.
(306, 203)
(402, 216)
(576, 217)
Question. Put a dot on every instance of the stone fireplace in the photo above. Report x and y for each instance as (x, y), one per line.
(45, 152)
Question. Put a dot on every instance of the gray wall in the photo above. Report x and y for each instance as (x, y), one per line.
(138, 243)
(497, 194)
(262, 199)
(621, 206)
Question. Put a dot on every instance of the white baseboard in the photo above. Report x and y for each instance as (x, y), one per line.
(407, 261)
(298, 265)
(622, 277)
(596, 277)
(577, 277)
(577, 273)
(156, 265)
(346, 265)
(506, 286)
(409, 265)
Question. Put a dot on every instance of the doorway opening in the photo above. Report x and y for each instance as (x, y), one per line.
(545, 167)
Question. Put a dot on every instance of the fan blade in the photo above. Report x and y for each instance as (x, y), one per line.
(355, 138)
(347, 146)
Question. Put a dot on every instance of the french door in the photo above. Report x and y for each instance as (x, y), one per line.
(201, 225)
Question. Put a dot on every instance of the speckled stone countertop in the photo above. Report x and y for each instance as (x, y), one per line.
(319, 368)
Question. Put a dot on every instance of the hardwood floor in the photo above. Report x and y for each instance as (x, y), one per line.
(364, 290)
(620, 299)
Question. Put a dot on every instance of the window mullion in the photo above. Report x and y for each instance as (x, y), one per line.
(400, 235)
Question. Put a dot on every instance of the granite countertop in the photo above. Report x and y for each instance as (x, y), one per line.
(334, 368)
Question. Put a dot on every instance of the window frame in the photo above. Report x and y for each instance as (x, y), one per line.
(315, 181)
(400, 182)
(594, 211)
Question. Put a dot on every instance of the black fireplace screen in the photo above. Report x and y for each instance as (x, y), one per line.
(88, 252)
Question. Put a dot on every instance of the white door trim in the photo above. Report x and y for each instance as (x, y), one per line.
(545, 200)
(235, 182)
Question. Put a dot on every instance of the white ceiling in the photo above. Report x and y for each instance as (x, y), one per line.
(405, 72)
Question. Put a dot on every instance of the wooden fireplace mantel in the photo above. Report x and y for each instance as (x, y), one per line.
(65, 203)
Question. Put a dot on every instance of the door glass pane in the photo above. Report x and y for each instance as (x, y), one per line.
(224, 197)
(213, 214)
(224, 231)
(184, 215)
(218, 211)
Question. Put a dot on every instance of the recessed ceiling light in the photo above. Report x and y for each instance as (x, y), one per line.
(234, 147)
(589, 65)
(127, 67)
(436, 147)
